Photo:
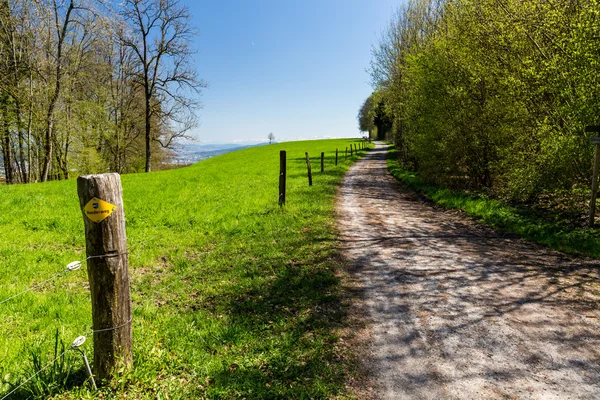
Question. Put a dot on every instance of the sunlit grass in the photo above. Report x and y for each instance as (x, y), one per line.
(233, 295)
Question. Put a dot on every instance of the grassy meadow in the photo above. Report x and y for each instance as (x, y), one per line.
(234, 297)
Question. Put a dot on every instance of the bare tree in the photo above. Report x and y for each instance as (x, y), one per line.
(15, 50)
(61, 27)
(159, 39)
(271, 137)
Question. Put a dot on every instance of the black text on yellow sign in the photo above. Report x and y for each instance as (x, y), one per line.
(98, 210)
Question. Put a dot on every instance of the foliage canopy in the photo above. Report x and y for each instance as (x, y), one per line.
(491, 95)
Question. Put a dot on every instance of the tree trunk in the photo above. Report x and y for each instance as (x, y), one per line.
(29, 125)
(148, 137)
(7, 149)
(48, 139)
(22, 162)
(50, 115)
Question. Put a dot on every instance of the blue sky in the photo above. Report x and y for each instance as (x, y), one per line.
(294, 68)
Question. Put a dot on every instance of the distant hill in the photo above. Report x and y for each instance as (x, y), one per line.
(191, 153)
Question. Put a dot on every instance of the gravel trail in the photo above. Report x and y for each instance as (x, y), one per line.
(451, 309)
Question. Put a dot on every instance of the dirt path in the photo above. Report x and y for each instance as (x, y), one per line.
(453, 310)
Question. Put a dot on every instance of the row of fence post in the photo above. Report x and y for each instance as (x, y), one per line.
(101, 201)
(283, 166)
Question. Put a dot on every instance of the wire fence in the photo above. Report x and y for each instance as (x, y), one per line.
(34, 375)
(74, 266)
(71, 267)
(76, 346)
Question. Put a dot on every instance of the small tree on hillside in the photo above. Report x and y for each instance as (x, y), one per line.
(271, 137)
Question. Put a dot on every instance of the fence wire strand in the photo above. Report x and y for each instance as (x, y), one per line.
(34, 287)
(161, 288)
(34, 375)
(109, 255)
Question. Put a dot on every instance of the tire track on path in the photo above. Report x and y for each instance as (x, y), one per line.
(455, 310)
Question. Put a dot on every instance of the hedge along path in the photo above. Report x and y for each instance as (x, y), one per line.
(455, 310)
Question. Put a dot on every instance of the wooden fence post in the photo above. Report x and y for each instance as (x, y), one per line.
(596, 142)
(346, 153)
(594, 188)
(322, 161)
(336, 156)
(309, 171)
(350, 149)
(282, 173)
(100, 197)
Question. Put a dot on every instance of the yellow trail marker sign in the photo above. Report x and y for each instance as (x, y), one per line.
(98, 210)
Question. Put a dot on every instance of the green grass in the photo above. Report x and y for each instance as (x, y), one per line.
(521, 221)
(234, 297)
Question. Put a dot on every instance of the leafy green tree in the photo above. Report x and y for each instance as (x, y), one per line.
(491, 95)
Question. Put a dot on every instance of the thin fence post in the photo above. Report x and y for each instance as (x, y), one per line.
(350, 149)
(101, 200)
(336, 156)
(309, 171)
(596, 141)
(282, 176)
(594, 187)
(346, 153)
(322, 161)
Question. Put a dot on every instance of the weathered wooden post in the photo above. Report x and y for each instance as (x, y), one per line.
(336, 156)
(346, 153)
(309, 171)
(595, 141)
(100, 197)
(322, 161)
(282, 172)
(350, 149)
